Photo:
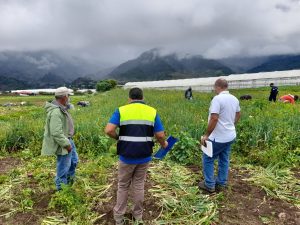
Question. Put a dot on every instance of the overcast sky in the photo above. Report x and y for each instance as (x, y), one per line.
(113, 31)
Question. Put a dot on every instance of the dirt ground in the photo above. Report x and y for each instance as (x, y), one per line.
(41, 200)
(34, 217)
(39, 210)
(242, 203)
(6, 164)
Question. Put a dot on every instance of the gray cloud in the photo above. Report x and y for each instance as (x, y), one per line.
(282, 7)
(44, 63)
(111, 31)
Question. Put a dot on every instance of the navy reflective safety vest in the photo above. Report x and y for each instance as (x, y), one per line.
(136, 130)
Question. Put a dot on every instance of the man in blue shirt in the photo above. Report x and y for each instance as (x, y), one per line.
(138, 124)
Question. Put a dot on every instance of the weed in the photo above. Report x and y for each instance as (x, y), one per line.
(276, 182)
(67, 201)
(187, 150)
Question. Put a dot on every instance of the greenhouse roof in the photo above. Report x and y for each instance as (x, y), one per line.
(210, 80)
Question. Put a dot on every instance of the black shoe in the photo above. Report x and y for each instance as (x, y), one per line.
(220, 188)
(137, 221)
(202, 186)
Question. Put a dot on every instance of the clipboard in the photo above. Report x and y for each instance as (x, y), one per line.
(208, 150)
(161, 153)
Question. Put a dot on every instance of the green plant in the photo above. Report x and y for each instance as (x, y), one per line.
(267, 134)
(113, 83)
(67, 201)
(26, 201)
(186, 150)
(105, 85)
(3, 178)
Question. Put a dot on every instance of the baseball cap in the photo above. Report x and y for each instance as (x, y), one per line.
(63, 91)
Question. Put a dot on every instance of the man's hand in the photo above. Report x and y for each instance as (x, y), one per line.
(237, 117)
(161, 138)
(203, 140)
(165, 145)
(110, 130)
(69, 148)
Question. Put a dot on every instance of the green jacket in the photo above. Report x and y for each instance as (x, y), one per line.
(56, 131)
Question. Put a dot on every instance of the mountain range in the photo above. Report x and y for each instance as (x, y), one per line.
(152, 66)
(46, 69)
(42, 69)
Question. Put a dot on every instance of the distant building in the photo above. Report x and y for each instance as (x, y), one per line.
(86, 90)
(236, 81)
(35, 91)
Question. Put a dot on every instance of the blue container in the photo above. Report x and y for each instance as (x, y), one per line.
(161, 153)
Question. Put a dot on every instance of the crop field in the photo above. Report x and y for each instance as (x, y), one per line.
(264, 180)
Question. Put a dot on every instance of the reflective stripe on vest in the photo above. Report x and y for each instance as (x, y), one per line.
(135, 139)
(136, 130)
(138, 122)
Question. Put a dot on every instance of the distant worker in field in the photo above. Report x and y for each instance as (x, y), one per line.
(224, 113)
(138, 124)
(59, 130)
(289, 98)
(273, 93)
(188, 94)
(246, 97)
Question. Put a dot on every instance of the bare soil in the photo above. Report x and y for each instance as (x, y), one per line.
(244, 203)
(34, 216)
(241, 203)
(9, 163)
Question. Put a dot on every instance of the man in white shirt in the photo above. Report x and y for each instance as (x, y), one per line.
(224, 113)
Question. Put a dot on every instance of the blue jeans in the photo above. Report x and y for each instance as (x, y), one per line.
(65, 167)
(221, 151)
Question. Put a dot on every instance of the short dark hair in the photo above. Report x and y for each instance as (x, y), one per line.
(296, 97)
(222, 83)
(271, 84)
(136, 93)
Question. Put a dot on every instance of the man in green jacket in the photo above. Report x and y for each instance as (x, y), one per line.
(59, 130)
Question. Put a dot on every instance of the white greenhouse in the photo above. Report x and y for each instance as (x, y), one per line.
(236, 81)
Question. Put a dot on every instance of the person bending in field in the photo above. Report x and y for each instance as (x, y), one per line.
(188, 94)
(289, 98)
(138, 124)
(59, 130)
(273, 93)
(224, 113)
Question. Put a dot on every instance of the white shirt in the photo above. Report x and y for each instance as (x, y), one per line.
(226, 105)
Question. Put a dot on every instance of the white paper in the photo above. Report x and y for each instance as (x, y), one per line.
(208, 150)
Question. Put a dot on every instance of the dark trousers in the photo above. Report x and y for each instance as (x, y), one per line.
(272, 98)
